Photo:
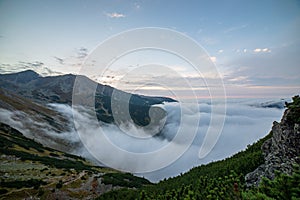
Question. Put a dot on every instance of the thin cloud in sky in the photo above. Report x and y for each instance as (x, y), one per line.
(115, 15)
(235, 28)
(82, 52)
(137, 5)
(209, 40)
(259, 50)
(59, 60)
(213, 59)
(238, 79)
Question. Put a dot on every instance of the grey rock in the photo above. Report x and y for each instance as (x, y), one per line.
(280, 152)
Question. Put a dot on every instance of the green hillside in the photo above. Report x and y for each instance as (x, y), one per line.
(201, 182)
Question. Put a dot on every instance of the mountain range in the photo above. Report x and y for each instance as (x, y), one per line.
(36, 165)
(31, 95)
(59, 89)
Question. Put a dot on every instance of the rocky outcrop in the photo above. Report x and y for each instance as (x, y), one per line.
(282, 150)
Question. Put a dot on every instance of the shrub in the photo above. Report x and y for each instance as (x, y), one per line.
(3, 191)
(59, 185)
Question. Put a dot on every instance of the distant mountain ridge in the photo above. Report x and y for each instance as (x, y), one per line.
(20, 77)
(59, 89)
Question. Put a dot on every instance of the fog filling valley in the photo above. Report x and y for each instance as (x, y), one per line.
(246, 121)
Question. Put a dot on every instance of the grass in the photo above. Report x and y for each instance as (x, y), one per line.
(30, 169)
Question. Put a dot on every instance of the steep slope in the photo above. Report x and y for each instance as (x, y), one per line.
(13, 102)
(281, 151)
(37, 121)
(30, 170)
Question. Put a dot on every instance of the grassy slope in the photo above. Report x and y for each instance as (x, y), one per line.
(10, 101)
(30, 169)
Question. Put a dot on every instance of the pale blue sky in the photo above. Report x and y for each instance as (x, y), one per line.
(255, 44)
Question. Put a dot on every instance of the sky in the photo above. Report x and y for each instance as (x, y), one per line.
(254, 45)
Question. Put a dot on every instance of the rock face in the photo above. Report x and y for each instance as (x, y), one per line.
(282, 150)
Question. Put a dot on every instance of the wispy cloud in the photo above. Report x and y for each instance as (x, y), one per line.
(37, 66)
(209, 40)
(137, 5)
(82, 52)
(114, 15)
(259, 50)
(238, 79)
(59, 60)
(235, 28)
(213, 59)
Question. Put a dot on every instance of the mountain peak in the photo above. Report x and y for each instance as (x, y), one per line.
(28, 73)
(21, 77)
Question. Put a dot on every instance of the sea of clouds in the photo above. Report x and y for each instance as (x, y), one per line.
(246, 121)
